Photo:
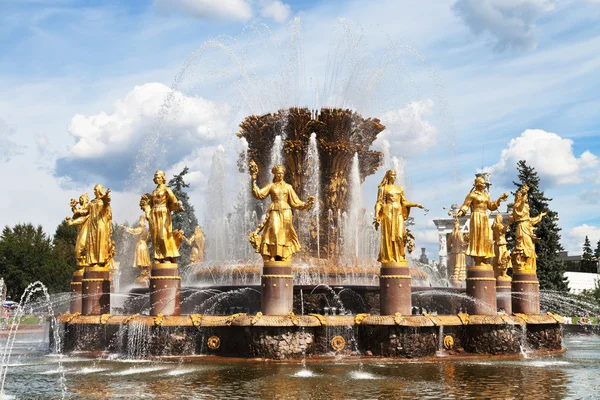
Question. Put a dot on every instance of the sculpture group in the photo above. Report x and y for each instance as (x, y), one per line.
(275, 239)
(95, 250)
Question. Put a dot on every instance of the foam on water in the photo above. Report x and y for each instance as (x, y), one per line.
(57, 371)
(549, 363)
(304, 373)
(85, 371)
(362, 375)
(136, 371)
(180, 371)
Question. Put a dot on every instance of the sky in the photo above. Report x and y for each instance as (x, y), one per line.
(108, 92)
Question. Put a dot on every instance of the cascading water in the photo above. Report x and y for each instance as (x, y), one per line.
(310, 232)
(354, 218)
(216, 244)
(276, 152)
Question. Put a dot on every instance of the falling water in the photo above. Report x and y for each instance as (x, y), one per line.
(276, 152)
(354, 218)
(312, 188)
(217, 227)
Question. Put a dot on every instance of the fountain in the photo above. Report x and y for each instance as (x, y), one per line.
(249, 308)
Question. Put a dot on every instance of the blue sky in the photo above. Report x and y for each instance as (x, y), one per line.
(466, 79)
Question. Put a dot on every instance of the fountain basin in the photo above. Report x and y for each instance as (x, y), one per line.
(292, 336)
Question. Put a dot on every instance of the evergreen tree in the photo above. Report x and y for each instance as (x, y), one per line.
(26, 256)
(550, 268)
(63, 244)
(186, 220)
(597, 251)
(588, 264)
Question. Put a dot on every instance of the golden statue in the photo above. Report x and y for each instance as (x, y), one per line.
(141, 259)
(391, 210)
(80, 218)
(99, 246)
(157, 208)
(197, 243)
(480, 242)
(524, 252)
(458, 242)
(279, 240)
(501, 255)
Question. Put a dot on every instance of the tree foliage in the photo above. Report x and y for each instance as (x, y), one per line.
(550, 268)
(27, 254)
(186, 220)
(588, 263)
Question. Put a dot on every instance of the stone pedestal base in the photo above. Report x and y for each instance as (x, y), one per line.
(394, 289)
(277, 288)
(481, 285)
(75, 304)
(526, 293)
(503, 294)
(165, 289)
(95, 291)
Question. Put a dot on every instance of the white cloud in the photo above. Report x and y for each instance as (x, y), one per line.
(407, 129)
(510, 23)
(142, 128)
(275, 9)
(8, 148)
(576, 236)
(237, 10)
(550, 154)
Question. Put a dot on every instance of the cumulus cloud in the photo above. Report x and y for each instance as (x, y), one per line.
(8, 148)
(109, 145)
(509, 23)
(407, 129)
(275, 9)
(550, 154)
(237, 10)
(576, 237)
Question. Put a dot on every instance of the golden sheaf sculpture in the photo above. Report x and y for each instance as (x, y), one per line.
(279, 239)
(478, 201)
(391, 210)
(158, 207)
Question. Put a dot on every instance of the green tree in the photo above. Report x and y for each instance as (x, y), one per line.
(550, 268)
(588, 264)
(186, 220)
(63, 243)
(597, 251)
(26, 256)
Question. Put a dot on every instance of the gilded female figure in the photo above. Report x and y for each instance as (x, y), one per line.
(391, 210)
(501, 254)
(141, 258)
(458, 263)
(524, 251)
(478, 201)
(80, 218)
(279, 240)
(99, 245)
(197, 243)
(158, 207)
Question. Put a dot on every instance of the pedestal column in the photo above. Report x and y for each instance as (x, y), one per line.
(277, 288)
(503, 294)
(76, 286)
(95, 291)
(526, 293)
(165, 289)
(394, 289)
(481, 285)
